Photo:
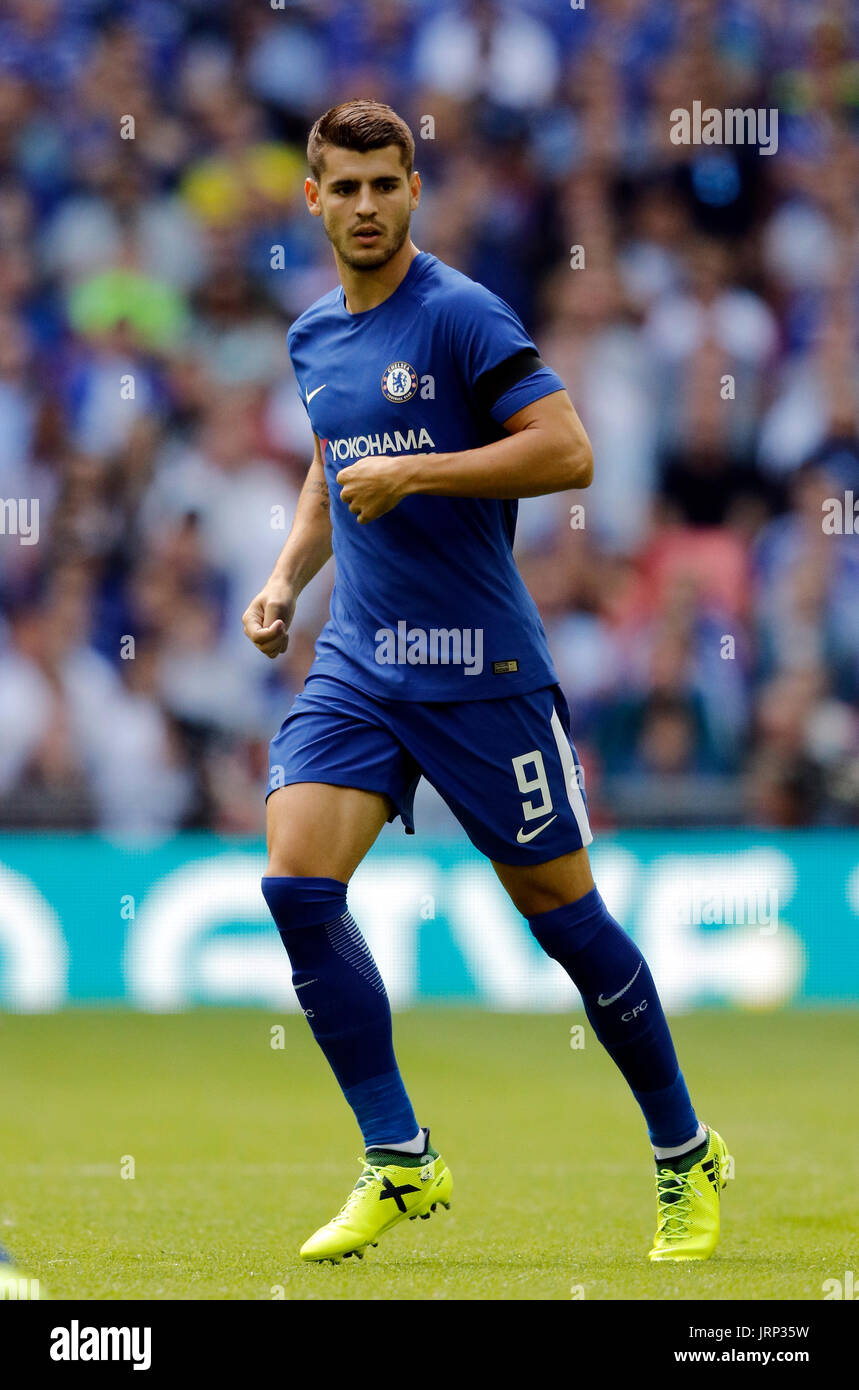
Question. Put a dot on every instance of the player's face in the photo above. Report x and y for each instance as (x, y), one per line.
(365, 202)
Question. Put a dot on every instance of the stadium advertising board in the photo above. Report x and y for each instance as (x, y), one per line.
(725, 919)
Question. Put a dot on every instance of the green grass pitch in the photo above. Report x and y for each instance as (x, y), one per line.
(241, 1150)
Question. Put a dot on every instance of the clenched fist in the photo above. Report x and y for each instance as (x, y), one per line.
(267, 618)
(375, 485)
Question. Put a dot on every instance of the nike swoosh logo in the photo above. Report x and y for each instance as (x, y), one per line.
(605, 1002)
(523, 838)
(311, 394)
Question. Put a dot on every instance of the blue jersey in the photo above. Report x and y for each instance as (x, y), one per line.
(428, 603)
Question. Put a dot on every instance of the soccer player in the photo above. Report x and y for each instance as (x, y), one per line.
(432, 412)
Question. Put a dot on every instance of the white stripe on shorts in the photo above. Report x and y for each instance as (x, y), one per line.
(571, 779)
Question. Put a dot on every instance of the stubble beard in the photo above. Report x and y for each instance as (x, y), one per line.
(370, 260)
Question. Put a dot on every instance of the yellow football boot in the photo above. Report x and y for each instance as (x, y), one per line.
(688, 1201)
(392, 1187)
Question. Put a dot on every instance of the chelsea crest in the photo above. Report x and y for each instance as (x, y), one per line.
(399, 382)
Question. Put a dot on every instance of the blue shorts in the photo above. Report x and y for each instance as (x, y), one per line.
(506, 767)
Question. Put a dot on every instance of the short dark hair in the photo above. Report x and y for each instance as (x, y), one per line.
(359, 125)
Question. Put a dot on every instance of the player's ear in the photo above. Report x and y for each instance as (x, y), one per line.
(311, 195)
(415, 189)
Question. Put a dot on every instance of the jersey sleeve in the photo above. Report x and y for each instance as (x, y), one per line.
(499, 363)
(291, 349)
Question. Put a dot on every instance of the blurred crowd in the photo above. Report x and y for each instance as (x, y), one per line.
(704, 622)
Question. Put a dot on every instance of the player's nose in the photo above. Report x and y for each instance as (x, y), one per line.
(366, 204)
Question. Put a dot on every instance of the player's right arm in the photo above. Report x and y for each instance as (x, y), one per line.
(308, 546)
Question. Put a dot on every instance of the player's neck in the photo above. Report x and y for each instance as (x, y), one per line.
(366, 289)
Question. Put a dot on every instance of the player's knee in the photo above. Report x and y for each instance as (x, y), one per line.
(536, 896)
(534, 900)
(540, 888)
(286, 863)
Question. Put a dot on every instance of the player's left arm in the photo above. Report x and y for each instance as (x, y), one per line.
(545, 450)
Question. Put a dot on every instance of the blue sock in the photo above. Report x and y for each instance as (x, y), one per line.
(343, 998)
(623, 1007)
